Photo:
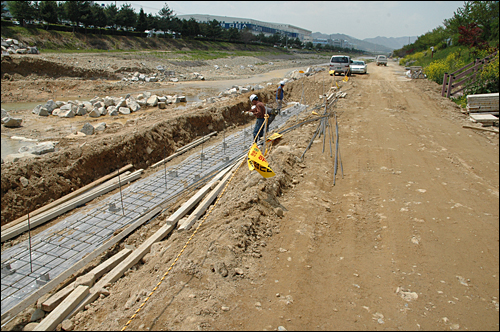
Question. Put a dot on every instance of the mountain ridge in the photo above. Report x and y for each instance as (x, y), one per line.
(392, 42)
(377, 44)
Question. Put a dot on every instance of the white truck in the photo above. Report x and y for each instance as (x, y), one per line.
(381, 60)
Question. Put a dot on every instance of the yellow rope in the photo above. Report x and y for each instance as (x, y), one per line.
(180, 253)
(262, 126)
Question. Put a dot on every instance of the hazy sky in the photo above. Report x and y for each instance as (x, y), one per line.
(358, 19)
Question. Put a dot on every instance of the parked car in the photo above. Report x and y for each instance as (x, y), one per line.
(358, 67)
(340, 64)
(381, 60)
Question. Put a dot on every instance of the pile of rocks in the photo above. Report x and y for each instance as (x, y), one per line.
(111, 106)
(162, 76)
(13, 46)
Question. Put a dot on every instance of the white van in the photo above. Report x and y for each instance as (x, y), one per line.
(381, 60)
(340, 64)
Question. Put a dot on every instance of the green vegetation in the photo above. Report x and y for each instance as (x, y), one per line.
(472, 33)
(88, 17)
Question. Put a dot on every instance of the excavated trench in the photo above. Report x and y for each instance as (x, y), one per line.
(54, 175)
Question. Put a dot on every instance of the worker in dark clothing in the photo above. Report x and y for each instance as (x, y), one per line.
(279, 96)
(259, 111)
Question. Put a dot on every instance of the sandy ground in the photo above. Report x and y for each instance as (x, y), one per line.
(407, 239)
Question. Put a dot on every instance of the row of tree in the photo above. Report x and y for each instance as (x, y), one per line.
(91, 14)
(474, 25)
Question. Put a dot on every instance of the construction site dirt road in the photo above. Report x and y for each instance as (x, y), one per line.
(406, 239)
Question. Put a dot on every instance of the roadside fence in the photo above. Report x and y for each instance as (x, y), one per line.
(458, 80)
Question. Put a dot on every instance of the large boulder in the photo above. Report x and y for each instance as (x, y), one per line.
(12, 122)
(87, 129)
(124, 110)
(121, 102)
(152, 101)
(133, 105)
(81, 110)
(5, 115)
(69, 107)
(94, 113)
(109, 101)
(112, 111)
(66, 113)
(36, 110)
(43, 111)
(50, 106)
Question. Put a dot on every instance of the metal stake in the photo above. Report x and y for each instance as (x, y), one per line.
(331, 137)
(265, 134)
(324, 134)
(340, 159)
(310, 143)
(121, 197)
(29, 236)
(336, 151)
(165, 163)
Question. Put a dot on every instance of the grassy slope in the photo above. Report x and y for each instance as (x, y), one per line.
(61, 41)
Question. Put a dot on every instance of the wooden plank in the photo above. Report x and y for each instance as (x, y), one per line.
(50, 322)
(118, 271)
(198, 212)
(479, 117)
(11, 313)
(67, 197)
(98, 272)
(66, 206)
(481, 128)
(181, 212)
(483, 95)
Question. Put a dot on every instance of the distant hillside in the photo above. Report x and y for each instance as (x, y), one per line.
(360, 44)
(394, 43)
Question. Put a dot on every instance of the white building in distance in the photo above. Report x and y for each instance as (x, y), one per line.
(256, 27)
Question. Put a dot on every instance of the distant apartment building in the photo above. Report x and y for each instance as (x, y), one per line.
(343, 43)
(321, 41)
(256, 27)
